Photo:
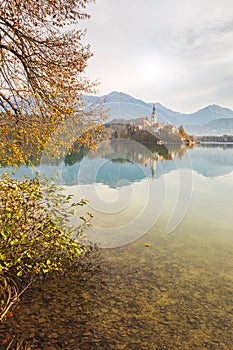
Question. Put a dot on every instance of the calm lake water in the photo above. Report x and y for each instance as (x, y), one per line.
(163, 218)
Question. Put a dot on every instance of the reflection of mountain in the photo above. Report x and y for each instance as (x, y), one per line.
(208, 161)
(212, 161)
(102, 170)
(115, 162)
(121, 174)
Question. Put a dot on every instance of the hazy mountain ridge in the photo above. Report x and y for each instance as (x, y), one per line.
(217, 127)
(124, 106)
(209, 113)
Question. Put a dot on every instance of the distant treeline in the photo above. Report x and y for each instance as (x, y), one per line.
(223, 138)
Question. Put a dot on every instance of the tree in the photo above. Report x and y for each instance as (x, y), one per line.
(42, 61)
(182, 132)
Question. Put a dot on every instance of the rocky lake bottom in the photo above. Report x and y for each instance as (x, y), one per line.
(174, 294)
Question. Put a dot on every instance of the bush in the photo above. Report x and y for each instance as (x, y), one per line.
(35, 234)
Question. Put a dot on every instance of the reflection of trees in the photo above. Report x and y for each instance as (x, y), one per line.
(76, 156)
(128, 151)
(217, 145)
(181, 151)
(120, 161)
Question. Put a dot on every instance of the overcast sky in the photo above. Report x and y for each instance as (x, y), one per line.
(176, 52)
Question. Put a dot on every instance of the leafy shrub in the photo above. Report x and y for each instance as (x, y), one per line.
(35, 234)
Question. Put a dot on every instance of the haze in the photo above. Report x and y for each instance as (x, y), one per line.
(175, 52)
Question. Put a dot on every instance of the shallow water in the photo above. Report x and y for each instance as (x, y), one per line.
(173, 293)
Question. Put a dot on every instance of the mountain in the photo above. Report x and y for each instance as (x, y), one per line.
(123, 106)
(166, 115)
(119, 105)
(207, 114)
(223, 123)
(218, 127)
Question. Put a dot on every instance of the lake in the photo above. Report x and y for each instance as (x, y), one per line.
(163, 218)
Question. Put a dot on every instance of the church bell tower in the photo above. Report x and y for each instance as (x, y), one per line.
(154, 116)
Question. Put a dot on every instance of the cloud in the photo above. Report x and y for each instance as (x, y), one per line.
(163, 49)
(227, 26)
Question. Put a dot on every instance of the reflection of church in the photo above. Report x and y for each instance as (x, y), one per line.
(153, 167)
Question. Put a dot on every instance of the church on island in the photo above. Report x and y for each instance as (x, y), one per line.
(153, 125)
(144, 129)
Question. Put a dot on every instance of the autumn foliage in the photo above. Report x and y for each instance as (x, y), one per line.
(42, 63)
(42, 81)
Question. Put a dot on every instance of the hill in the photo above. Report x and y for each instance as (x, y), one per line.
(123, 106)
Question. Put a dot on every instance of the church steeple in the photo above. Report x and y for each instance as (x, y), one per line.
(153, 116)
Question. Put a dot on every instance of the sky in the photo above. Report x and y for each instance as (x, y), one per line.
(176, 52)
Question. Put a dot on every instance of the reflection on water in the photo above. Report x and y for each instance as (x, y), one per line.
(177, 292)
(116, 160)
(121, 159)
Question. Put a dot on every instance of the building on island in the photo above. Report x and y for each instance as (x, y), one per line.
(155, 126)
(144, 124)
(154, 116)
(171, 129)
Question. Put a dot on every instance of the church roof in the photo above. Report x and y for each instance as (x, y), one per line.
(144, 122)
